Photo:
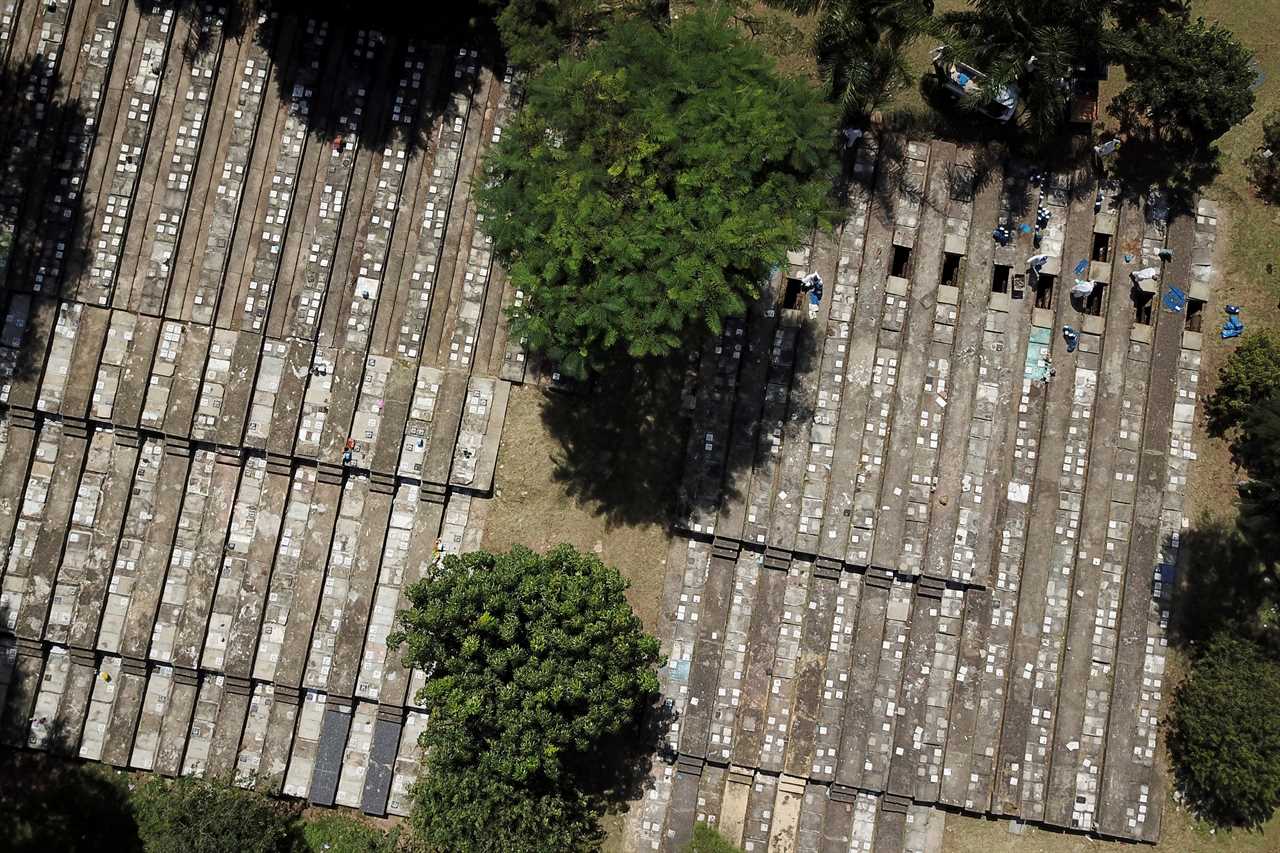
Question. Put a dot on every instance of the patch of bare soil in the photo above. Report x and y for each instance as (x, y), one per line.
(588, 471)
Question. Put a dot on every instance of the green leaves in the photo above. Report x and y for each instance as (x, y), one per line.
(1033, 46)
(1225, 733)
(1250, 375)
(707, 840)
(538, 674)
(1257, 450)
(859, 46)
(190, 815)
(647, 188)
(1188, 80)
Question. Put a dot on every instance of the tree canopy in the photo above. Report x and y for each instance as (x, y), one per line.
(1224, 735)
(1250, 375)
(860, 47)
(51, 804)
(1258, 451)
(538, 679)
(341, 833)
(646, 189)
(1032, 45)
(536, 32)
(1189, 82)
(189, 815)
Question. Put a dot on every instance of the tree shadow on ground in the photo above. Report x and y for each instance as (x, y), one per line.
(1181, 171)
(622, 438)
(1221, 585)
(50, 800)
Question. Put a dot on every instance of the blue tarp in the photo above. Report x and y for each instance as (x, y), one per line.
(1234, 326)
(1082, 266)
(1175, 300)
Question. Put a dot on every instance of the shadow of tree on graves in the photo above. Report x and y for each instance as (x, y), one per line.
(200, 16)
(1180, 170)
(624, 435)
(51, 801)
(890, 177)
(44, 139)
(1221, 585)
(618, 773)
(365, 47)
(988, 160)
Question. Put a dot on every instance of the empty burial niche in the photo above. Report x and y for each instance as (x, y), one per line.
(1195, 314)
(1141, 305)
(1092, 304)
(901, 261)
(950, 269)
(794, 297)
(1000, 278)
(1102, 247)
(1044, 290)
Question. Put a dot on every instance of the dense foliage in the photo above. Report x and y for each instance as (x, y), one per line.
(1188, 81)
(1225, 733)
(646, 189)
(1258, 450)
(48, 804)
(1250, 375)
(538, 676)
(537, 32)
(707, 840)
(339, 833)
(189, 815)
(1264, 164)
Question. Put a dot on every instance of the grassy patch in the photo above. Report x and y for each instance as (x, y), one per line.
(1254, 239)
(339, 833)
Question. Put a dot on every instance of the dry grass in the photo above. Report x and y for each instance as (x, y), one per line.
(535, 505)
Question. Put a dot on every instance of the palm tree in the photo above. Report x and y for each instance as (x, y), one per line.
(859, 45)
(1037, 47)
